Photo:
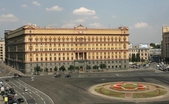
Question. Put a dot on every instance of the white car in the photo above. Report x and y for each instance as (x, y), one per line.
(25, 89)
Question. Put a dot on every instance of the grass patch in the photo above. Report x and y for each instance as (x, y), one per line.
(129, 86)
(149, 94)
(109, 93)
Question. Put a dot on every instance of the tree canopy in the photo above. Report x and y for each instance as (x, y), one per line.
(155, 46)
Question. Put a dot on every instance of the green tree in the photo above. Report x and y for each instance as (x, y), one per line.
(37, 69)
(155, 46)
(138, 57)
(62, 68)
(102, 66)
(46, 70)
(133, 58)
(158, 46)
(71, 67)
(88, 67)
(152, 45)
(95, 67)
(55, 69)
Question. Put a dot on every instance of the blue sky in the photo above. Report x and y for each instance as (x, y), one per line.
(144, 18)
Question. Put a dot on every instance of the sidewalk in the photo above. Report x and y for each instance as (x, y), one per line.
(1, 100)
(11, 69)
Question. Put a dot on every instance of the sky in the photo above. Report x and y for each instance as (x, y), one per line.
(144, 18)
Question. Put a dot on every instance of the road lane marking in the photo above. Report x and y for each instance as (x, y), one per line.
(117, 75)
(38, 91)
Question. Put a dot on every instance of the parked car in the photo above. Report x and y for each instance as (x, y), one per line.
(57, 75)
(20, 100)
(68, 75)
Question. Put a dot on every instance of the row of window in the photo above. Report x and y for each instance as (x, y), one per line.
(94, 62)
(71, 58)
(77, 39)
(80, 44)
(67, 49)
(92, 53)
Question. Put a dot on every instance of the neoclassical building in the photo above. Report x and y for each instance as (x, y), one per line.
(30, 45)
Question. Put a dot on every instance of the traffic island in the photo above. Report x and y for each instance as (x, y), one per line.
(133, 91)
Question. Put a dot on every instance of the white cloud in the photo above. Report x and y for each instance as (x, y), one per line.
(3, 9)
(141, 25)
(97, 25)
(95, 17)
(78, 20)
(24, 6)
(8, 18)
(113, 16)
(54, 8)
(36, 3)
(84, 11)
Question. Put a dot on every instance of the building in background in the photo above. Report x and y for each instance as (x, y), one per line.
(2, 50)
(30, 45)
(142, 51)
(155, 55)
(165, 44)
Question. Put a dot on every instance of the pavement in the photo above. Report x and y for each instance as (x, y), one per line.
(1, 100)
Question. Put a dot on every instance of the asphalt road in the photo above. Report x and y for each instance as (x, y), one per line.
(33, 96)
(75, 90)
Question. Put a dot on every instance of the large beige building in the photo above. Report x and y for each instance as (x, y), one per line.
(165, 44)
(30, 45)
(2, 50)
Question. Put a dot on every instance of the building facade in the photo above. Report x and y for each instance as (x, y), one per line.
(2, 50)
(30, 45)
(165, 44)
(143, 50)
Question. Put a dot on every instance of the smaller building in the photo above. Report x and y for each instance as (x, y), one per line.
(2, 50)
(141, 52)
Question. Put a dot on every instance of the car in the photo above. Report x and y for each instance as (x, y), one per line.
(19, 75)
(7, 80)
(25, 89)
(16, 75)
(10, 96)
(20, 100)
(13, 101)
(58, 76)
(12, 91)
(68, 76)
